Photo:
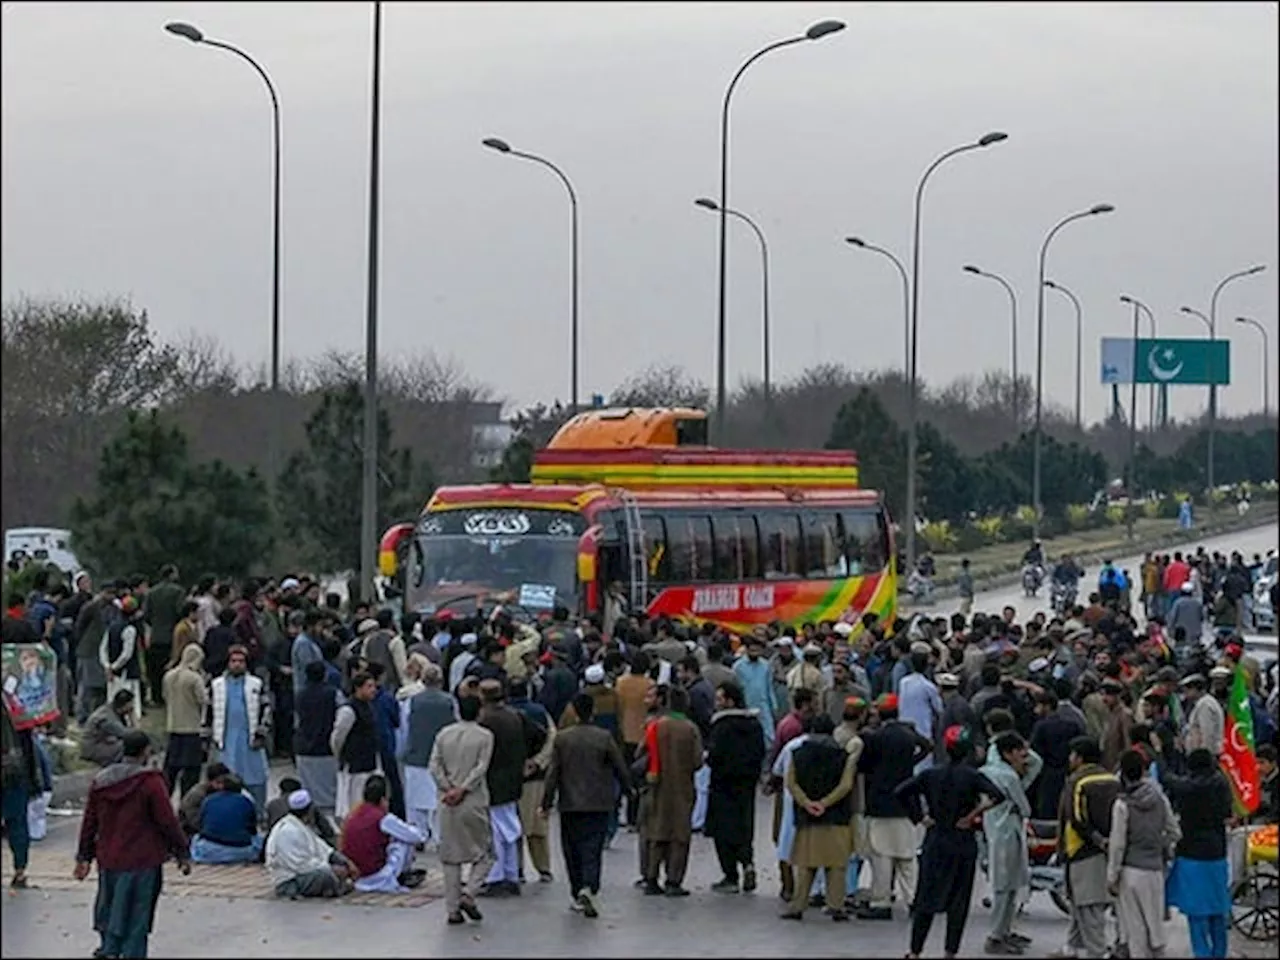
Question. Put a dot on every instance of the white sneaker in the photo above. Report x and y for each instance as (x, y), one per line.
(575, 905)
(590, 904)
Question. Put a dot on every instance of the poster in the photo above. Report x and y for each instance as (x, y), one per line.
(30, 685)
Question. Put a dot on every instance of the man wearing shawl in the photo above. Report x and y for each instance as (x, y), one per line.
(299, 862)
(1012, 766)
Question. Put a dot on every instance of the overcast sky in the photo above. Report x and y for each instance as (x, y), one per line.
(138, 164)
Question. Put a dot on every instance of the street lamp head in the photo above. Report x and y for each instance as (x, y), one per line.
(970, 268)
(1243, 320)
(1102, 208)
(185, 30)
(823, 28)
(1126, 299)
(1258, 269)
(995, 137)
(493, 143)
(707, 202)
(855, 241)
(1051, 285)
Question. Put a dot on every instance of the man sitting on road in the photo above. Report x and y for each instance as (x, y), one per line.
(300, 863)
(104, 731)
(228, 827)
(379, 844)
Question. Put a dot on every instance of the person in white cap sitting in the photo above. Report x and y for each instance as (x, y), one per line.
(462, 660)
(299, 862)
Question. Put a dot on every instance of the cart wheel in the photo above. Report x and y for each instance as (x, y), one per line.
(1255, 906)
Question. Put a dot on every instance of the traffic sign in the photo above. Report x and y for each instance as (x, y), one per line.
(1166, 361)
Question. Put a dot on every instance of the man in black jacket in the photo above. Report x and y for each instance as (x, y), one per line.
(586, 764)
(889, 755)
(735, 754)
(505, 779)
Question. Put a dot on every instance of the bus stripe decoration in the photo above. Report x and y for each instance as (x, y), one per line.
(1239, 759)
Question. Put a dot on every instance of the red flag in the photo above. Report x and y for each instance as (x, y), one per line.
(1239, 761)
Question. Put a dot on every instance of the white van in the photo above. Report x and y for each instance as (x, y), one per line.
(45, 544)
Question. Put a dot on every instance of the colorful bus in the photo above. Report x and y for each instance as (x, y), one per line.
(634, 502)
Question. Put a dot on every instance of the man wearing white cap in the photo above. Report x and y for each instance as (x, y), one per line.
(458, 668)
(299, 862)
(1206, 722)
(807, 674)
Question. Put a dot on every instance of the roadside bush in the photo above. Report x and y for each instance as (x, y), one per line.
(939, 537)
(1078, 516)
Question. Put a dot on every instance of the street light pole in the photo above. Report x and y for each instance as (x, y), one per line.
(906, 298)
(1079, 343)
(1132, 485)
(1151, 400)
(708, 204)
(816, 32)
(1039, 422)
(1266, 362)
(912, 392)
(493, 143)
(1213, 387)
(1013, 310)
(369, 485)
(189, 32)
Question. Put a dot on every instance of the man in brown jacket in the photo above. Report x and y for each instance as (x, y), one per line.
(586, 763)
(676, 756)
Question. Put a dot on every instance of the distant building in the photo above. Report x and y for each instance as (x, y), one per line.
(490, 435)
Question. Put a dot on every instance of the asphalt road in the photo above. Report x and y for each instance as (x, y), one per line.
(40, 923)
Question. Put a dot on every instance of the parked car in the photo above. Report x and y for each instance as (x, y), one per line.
(1264, 614)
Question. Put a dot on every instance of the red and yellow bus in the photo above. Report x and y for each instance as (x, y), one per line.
(635, 498)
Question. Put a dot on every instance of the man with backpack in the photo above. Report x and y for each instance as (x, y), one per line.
(1084, 824)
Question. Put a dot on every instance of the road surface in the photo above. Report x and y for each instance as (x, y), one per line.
(57, 922)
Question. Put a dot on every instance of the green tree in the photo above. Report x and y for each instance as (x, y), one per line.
(863, 426)
(533, 429)
(321, 485)
(947, 482)
(152, 506)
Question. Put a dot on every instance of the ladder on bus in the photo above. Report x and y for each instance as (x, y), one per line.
(637, 555)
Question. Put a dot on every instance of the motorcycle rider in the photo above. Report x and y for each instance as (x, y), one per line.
(1110, 583)
(1033, 566)
(1066, 582)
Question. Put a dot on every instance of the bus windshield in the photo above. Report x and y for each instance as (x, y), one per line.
(486, 552)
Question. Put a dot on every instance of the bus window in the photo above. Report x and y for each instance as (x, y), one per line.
(864, 541)
(655, 545)
(822, 559)
(689, 544)
(779, 544)
(737, 549)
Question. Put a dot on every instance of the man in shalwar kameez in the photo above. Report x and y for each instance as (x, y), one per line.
(1012, 766)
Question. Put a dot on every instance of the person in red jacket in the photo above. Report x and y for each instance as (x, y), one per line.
(130, 828)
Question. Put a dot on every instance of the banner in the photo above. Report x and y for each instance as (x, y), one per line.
(30, 685)
(1165, 361)
(1239, 761)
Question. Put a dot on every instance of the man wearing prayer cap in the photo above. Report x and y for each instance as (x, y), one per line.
(301, 863)
(1206, 723)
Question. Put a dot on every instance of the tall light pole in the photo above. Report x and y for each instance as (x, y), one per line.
(1151, 399)
(912, 392)
(369, 484)
(1013, 323)
(819, 30)
(906, 298)
(1039, 422)
(1266, 362)
(1132, 485)
(493, 143)
(1213, 388)
(189, 32)
(708, 204)
(1079, 343)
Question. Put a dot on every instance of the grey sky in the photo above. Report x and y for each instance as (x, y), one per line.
(135, 163)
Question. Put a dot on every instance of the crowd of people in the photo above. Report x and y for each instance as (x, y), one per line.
(916, 753)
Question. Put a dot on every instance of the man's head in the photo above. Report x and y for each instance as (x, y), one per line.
(1266, 760)
(468, 709)
(1193, 687)
(136, 745)
(755, 648)
(1082, 751)
(375, 791)
(364, 686)
(584, 705)
(214, 773)
(730, 696)
(855, 711)
(237, 660)
(288, 785)
(678, 699)
(1012, 750)
(688, 671)
(122, 702)
(804, 701)
(840, 673)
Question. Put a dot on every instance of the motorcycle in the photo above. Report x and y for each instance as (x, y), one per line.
(1032, 578)
(1048, 873)
(1062, 597)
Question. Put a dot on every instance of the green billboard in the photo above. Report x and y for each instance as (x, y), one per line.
(1179, 362)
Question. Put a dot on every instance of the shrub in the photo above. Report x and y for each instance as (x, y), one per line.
(939, 537)
(1151, 509)
(1168, 506)
(1078, 516)
(971, 537)
(992, 529)
(1115, 514)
